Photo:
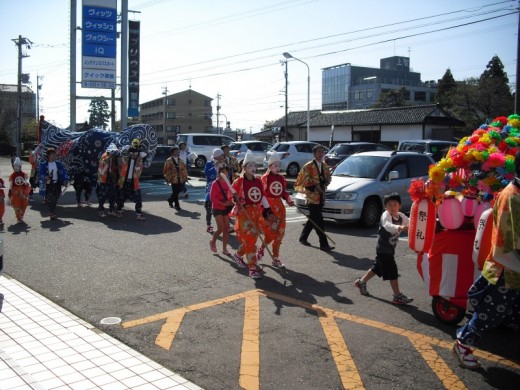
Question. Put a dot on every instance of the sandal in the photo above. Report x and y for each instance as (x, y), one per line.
(212, 246)
(226, 252)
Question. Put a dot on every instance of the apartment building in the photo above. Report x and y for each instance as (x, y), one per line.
(179, 113)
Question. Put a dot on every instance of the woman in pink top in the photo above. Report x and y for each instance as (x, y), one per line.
(221, 206)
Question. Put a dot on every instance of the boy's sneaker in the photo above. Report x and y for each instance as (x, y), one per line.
(254, 273)
(210, 229)
(362, 287)
(239, 261)
(260, 253)
(277, 263)
(465, 356)
(401, 299)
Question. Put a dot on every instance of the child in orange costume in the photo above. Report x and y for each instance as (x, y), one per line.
(275, 189)
(19, 190)
(248, 192)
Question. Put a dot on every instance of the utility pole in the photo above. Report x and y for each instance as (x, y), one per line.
(72, 55)
(218, 112)
(38, 87)
(165, 93)
(124, 64)
(20, 41)
(286, 102)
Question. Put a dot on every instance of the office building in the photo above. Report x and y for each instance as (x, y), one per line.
(347, 87)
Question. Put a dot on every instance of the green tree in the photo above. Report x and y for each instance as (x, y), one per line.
(7, 121)
(391, 98)
(99, 113)
(445, 90)
(464, 103)
(480, 100)
(495, 97)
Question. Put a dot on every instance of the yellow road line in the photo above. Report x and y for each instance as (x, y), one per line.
(349, 375)
(250, 356)
(345, 365)
(439, 366)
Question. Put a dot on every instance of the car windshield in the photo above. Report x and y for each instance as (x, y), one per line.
(439, 150)
(361, 166)
(234, 146)
(280, 147)
(342, 149)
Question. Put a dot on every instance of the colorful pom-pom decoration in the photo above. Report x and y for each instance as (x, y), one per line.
(450, 213)
(422, 225)
(482, 160)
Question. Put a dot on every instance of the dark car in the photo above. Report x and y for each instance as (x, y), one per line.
(156, 168)
(435, 148)
(343, 150)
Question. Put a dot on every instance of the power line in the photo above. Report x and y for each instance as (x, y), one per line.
(337, 51)
(212, 61)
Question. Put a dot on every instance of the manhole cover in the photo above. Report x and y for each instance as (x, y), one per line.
(110, 321)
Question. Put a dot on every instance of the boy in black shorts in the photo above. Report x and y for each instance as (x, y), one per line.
(392, 223)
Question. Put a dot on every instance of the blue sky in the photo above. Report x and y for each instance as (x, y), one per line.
(234, 48)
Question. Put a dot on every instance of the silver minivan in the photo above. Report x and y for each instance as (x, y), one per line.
(203, 145)
(360, 182)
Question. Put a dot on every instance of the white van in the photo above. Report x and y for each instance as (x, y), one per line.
(203, 144)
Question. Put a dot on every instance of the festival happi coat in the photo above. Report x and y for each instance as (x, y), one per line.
(460, 188)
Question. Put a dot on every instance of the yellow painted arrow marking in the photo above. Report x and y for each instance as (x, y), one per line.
(347, 370)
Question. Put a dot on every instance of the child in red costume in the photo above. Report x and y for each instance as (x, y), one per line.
(248, 192)
(275, 189)
(19, 190)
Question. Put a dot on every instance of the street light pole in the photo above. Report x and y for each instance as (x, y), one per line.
(287, 56)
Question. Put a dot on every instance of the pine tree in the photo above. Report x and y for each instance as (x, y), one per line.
(446, 89)
(494, 96)
(99, 113)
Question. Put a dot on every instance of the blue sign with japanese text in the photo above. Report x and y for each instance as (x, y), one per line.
(99, 50)
(99, 41)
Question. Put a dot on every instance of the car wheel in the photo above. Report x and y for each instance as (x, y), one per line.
(371, 213)
(200, 162)
(447, 312)
(293, 169)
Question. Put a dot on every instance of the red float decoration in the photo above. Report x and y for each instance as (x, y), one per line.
(482, 242)
(422, 225)
(469, 206)
(450, 213)
(447, 269)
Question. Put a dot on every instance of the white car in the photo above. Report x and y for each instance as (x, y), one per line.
(359, 183)
(257, 148)
(203, 145)
(293, 155)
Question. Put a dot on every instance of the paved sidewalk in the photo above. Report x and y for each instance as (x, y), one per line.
(43, 346)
